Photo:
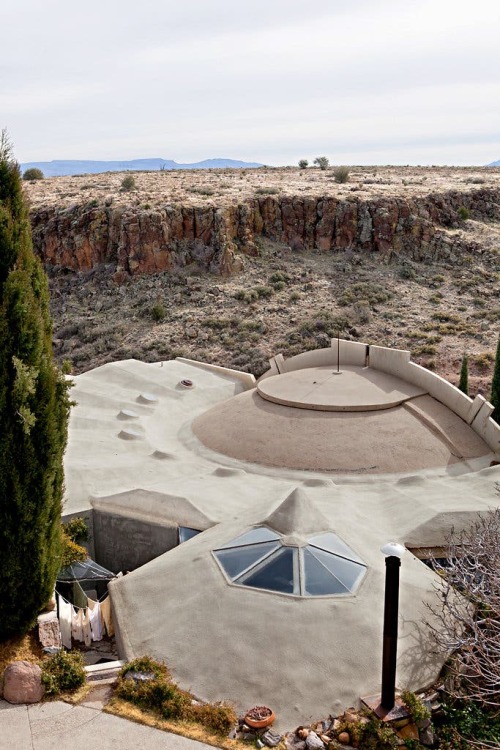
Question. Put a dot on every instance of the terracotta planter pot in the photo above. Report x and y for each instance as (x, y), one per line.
(262, 723)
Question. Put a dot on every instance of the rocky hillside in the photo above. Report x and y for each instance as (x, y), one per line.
(275, 261)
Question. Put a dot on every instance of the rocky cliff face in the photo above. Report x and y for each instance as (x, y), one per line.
(137, 241)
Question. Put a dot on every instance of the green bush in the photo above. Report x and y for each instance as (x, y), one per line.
(464, 721)
(322, 162)
(303, 164)
(341, 174)
(419, 712)
(161, 695)
(77, 529)
(128, 183)
(158, 312)
(67, 367)
(71, 552)
(63, 672)
(463, 213)
(32, 174)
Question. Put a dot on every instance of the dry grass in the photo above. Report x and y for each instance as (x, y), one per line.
(185, 729)
(76, 696)
(21, 648)
(223, 187)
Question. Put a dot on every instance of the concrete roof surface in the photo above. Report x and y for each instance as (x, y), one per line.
(308, 656)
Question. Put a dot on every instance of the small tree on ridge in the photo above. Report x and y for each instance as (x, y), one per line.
(463, 384)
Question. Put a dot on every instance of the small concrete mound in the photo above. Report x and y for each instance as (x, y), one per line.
(131, 433)
(226, 472)
(162, 455)
(127, 414)
(147, 398)
(318, 483)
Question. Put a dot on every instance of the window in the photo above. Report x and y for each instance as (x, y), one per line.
(261, 559)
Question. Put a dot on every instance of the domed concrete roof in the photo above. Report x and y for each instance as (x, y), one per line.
(253, 646)
(358, 421)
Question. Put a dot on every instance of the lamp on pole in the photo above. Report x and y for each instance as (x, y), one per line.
(393, 553)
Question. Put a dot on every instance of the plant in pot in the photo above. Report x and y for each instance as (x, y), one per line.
(259, 717)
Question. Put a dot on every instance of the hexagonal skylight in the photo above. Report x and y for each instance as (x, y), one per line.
(262, 559)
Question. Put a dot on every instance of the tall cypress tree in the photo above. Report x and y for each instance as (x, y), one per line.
(463, 384)
(34, 410)
(495, 386)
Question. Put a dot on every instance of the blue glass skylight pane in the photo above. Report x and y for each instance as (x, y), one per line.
(348, 573)
(186, 533)
(275, 575)
(235, 561)
(332, 543)
(318, 580)
(254, 536)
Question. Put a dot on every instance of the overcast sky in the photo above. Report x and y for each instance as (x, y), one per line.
(360, 81)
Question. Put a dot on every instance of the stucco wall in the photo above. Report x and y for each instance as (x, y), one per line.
(124, 543)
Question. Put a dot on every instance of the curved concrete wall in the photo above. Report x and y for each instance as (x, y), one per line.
(397, 362)
(351, 353)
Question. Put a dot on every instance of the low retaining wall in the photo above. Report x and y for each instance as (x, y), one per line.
(397, 362)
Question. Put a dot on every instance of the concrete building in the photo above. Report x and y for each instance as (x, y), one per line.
(252, 515)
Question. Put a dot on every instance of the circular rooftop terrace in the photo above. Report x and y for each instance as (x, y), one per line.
(359, 421)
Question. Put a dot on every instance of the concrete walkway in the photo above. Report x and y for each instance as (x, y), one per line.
(60, 726)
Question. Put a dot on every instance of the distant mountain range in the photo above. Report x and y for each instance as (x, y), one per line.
(59, 168)
(494, 164)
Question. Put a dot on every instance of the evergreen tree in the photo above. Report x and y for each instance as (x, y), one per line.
(495, 386)
(463, 384)
(34, 410)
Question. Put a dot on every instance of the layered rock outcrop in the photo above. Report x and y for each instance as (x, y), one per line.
(170, 237)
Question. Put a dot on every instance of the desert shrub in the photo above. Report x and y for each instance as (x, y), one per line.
(67, 367)
(463, 213)
(267, 191)
(264, 292)
(372, 293)
(436, 298)
(201, 190)
(322, 162)
(128, 183)
(294, 296)
(484, 360)
(341, 174)
(361, 310)
(303, 164)
(158, 312)
(277, 277)
(32, 174)
(63, 672)
(406, 271)
(418, 351)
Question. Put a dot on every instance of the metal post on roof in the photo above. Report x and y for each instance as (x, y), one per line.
(393, 552)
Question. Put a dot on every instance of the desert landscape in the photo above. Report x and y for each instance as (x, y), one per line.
(407, 257)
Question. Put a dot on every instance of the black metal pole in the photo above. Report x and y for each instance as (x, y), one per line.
(338, 351)
(391, 607)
